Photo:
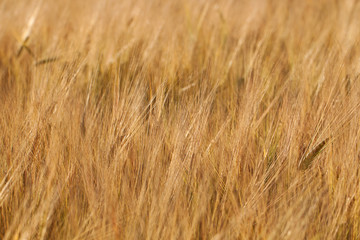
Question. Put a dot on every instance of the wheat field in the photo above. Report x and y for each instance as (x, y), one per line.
(187, 119)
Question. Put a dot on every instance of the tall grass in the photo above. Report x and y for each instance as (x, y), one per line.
(179, 119)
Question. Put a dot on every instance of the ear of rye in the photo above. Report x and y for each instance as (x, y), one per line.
(310, 157)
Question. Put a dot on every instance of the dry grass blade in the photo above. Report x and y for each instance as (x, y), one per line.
(27, 31)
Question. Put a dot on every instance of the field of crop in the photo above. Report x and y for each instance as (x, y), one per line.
(186, 119)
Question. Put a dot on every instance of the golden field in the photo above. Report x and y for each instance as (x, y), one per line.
(154, 119)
